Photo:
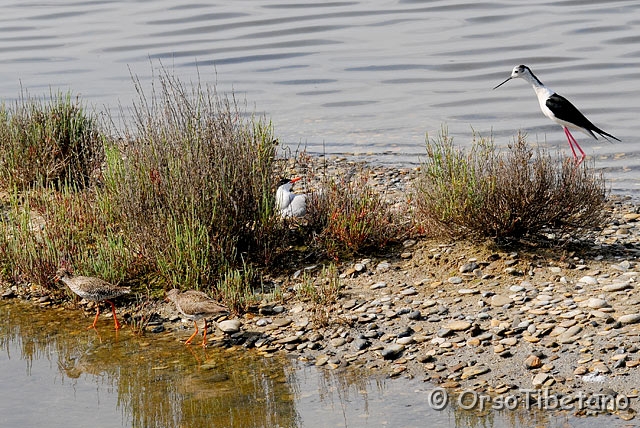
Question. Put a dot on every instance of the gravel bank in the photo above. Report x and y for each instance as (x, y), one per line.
(460, 315)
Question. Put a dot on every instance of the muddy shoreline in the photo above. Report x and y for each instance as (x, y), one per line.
(460, 315)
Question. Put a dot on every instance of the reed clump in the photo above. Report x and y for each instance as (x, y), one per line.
(349, 216)
(192, 188)
(46, 142)
(519, 192)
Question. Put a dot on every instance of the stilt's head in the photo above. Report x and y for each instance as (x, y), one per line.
(520, 71)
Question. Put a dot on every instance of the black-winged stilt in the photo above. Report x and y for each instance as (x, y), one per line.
(290, 204)
(559, 109)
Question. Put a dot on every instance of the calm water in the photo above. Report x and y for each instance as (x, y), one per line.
(55, 373)
(340, 77)
(367, 78)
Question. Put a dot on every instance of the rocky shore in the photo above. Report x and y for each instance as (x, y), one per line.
(460, 315)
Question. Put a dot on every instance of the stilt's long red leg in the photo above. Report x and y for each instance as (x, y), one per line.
(115, 318)
(188, 342)
(572, 142)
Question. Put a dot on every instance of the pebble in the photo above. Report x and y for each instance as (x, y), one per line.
(230, 326)
(597, 303)
(629, 319)
(321, 360)
(468, 267)
(590, 280)
(392, 352)
(8, 293)
(533, 362)
(409, 292)
(281, 322)
(414, 315)
(470, 372)
(455, 280)
(383, 267)
(458, 325)
(405, 340)
(540, 379)
(500, 300)
(616, 286)
(288, 339)
(337, 342)
(360, 344)
(378, 285)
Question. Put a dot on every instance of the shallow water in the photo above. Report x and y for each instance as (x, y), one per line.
(351, 77)
(339, 77)
(54, 372)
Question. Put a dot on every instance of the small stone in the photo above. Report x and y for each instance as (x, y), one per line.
(532, 362)
(414, 315)
(350, 304)
(281, 322)
(629, 319)
(580, 370)
(409, 292)
(383, 267)
(261, 322)
(600, 368)
(596, 303)
(474, 342)
(443, 332)
(337, 342)
(468, 267)
(392, 352)
(499, 300)
(470, 372)
(360, 344)
(616, 286)
(509, 341)
(455, 280)
(378, 285)
(409, 243)
(405, 340)
(8, 293)
(539, 379)
(287, 340)
(458, 325)
(590, 280)
(321, 360)
(468, 291)
(230, 326)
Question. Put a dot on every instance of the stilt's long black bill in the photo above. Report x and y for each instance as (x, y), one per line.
(503, 83)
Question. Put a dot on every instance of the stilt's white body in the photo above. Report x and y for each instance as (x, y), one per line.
(544, 93)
